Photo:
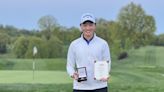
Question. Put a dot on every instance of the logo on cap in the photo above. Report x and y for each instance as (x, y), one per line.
(87, 17)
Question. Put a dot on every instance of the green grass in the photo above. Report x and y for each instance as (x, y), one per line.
(40, 77)
(26, 64)
(142, 71)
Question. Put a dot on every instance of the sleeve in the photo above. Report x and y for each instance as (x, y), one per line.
(106, 54)
(70, 66)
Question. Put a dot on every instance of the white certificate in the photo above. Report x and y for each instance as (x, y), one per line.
(101, 70)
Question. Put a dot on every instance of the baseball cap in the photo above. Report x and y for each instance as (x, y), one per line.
(87, 17)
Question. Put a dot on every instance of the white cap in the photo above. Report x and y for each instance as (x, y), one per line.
(87, 17)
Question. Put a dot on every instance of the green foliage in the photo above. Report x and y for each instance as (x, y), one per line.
(136, 25)
(52, 48)
(55, 48)
(47, 24)
(21, 46)
(4, 40)
(6, 64)
(159, 40)
(67, 35)
(110, 31)
(41, 48)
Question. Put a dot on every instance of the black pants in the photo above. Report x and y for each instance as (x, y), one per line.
(96, 90)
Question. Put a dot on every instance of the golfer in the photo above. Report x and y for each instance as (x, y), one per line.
(83, 52)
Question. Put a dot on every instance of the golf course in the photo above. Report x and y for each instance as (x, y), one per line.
(142, 71)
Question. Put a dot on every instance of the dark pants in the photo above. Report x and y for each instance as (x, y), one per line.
(96, 90)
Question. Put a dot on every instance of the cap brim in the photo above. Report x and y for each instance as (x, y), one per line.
(87, 21)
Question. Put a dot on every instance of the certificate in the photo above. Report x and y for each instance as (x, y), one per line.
(101, 70)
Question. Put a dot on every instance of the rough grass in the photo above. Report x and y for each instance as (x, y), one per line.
(26, 64)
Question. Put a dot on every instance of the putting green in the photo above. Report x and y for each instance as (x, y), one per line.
(43, 77)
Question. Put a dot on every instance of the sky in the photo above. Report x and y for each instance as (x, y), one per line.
(24, 14)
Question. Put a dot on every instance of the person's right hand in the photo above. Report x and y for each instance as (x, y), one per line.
(75, 76)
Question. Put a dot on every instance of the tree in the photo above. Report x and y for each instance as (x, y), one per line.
(159, 41)
(4, 40)
(103, 30)
(21, 46)
(55, 48)
(67, 35)
(47, 24)
(110, 31)
(137, 27)
(41, 45)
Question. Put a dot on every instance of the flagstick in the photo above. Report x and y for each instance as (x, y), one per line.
(33, 66)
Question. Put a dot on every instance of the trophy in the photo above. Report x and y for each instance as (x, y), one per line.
(82, 74)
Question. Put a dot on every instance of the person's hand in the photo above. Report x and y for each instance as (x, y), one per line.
(104, 79)
(75, 76)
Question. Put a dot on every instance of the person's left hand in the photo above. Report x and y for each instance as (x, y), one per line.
(104, 79)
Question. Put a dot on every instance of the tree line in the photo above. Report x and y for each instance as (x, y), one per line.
(132, 29)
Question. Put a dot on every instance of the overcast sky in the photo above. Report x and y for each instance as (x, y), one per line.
(26, 13)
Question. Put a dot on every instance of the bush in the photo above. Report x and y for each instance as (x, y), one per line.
(6, 64)
(122, 55)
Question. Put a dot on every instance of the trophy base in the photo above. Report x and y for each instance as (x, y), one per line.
(82, 79)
